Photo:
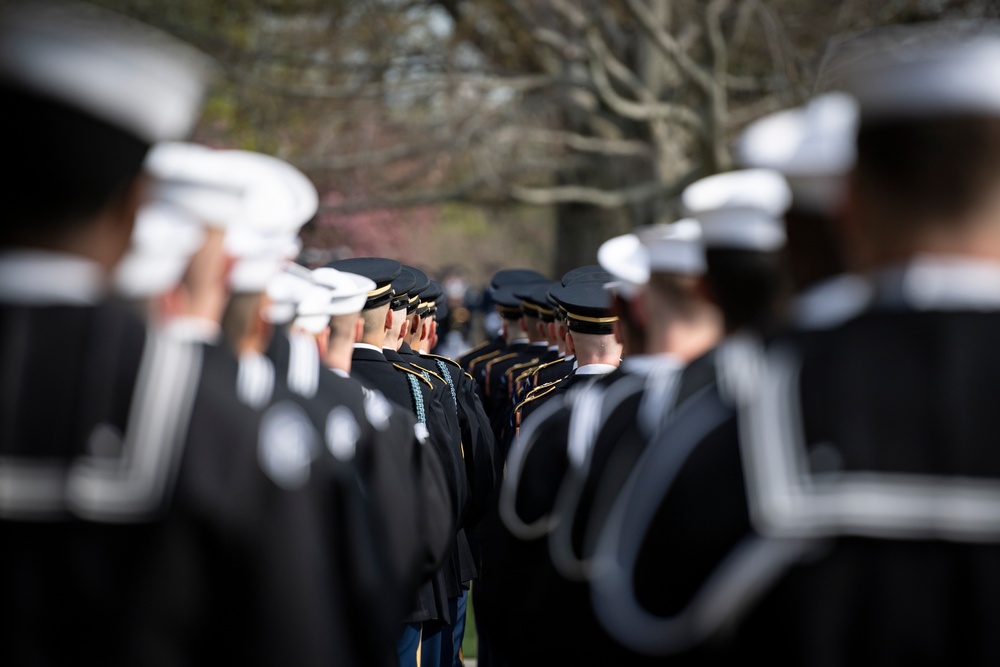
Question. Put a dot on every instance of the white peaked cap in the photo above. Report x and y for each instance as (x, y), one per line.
(197, 178)
(660, 248)
(345, 293)
(163, 240)
(115, 69)
(285, 291)
(335, 293)
(813, 146)
(740, 209)
(923, 69)
(259, 257)
(277, 197)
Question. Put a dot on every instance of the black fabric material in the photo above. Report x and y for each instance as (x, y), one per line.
(231, 568)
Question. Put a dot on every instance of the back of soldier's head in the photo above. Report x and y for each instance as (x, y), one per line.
(85, 93)
(928, 151)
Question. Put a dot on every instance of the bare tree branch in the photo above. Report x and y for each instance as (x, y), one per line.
(580, 142)
(646, 110)
(584, 195)
(662, 39)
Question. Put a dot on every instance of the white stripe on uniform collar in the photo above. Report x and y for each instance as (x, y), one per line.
(45, 278)
(594, 369)
(830, 302)
(940, 282)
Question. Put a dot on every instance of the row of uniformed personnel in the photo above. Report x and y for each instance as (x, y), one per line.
(794, 462)
(198, 465)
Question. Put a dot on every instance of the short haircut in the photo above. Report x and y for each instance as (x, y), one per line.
(236, 321)
(746, 284)
(64, 165)
(922, 171)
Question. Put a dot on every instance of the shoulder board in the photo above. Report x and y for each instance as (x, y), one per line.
(525, 374)
(505, 357)
(522, 365)
(427, 370)
(550, 363)
(475, 349)
(470, 377)
(540, 389)
(548, 388)
(428, 355)
(413, 372)
(483, 357)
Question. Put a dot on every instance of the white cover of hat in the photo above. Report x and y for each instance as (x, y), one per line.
(921, 77)
(740, 209)
(163, 240)
(115, 69)
(197, 178)
(674, 247)
(285, 291)
(813, 146)
(345, 293)
(625, 258)
(278, 198)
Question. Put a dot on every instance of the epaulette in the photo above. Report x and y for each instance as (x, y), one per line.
(413, 372)
(427, 370)
(523, 364)
(445, 359)
(475, 349)
(483, 357)
(470, 377)
(489, 367)
(550, 363)
(534, 394)
(537, 391)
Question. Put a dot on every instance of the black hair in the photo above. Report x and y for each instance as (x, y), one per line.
(63, 165)
(747, 285)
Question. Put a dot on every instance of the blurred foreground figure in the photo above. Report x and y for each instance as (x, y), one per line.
(847, 511)
(147, 516)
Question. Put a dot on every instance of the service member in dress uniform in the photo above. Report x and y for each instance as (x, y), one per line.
(409, 484)
(591, 340)
(554, 371)
(740, 214)
(813, 148)
(483, 466)
(411, 391)
(437, 641)
(866, 530)
(146, 514)
(577, 451)
(504, 277)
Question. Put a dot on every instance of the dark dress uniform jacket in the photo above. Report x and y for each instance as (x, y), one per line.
(852, 502)
(146, 516)
(375, 371)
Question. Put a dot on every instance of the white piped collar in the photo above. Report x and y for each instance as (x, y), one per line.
(830, 302)
(46, 278)
(594, 369)
(940, 282)
(646, 364)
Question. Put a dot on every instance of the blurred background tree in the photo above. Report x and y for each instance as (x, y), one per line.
(483, 133)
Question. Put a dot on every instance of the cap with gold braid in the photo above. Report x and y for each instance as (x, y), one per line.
(379, 270)
(588, 307)
(535, 299)
(414, 294)
(430, 299)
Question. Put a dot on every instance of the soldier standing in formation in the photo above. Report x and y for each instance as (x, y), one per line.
(764, 431)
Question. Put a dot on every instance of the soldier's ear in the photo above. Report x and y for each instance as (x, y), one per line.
(570, 346)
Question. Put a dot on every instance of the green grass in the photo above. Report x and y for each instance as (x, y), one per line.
(469, 640)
